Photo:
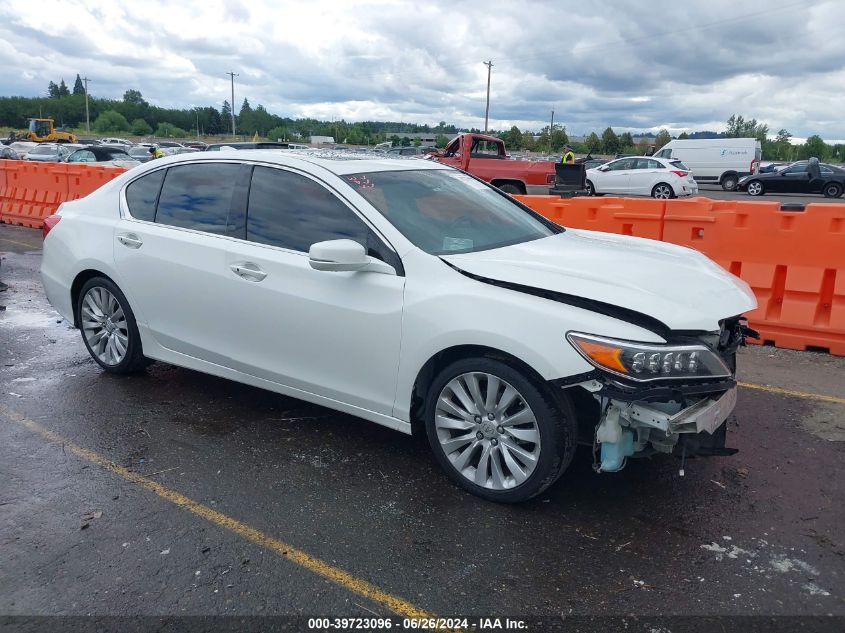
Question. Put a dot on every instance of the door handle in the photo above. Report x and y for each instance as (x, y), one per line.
(130, 240)
(249, 271)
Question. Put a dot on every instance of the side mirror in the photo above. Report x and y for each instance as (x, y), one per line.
(345, 255)
(603, 168)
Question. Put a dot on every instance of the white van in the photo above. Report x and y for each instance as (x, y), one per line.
(716, 160)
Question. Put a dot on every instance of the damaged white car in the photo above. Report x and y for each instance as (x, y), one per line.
(412, 295)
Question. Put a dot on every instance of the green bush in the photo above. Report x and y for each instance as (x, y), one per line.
(277, 134)
(169, 130)
(111, 121)
(139, 127)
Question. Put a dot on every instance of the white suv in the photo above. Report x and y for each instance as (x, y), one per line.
(409, 294)
(642, 176)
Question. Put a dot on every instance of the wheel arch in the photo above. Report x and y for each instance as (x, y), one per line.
(833, 182)
(725, 174)
(446, 356)
(498, 182)
(76, 287)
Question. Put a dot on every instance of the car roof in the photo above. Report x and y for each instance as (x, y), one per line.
(338, 163)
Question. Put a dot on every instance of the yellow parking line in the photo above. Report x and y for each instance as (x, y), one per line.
(791, 392)
(297, 556)
(11, 241)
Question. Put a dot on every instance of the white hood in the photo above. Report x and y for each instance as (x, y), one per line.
(675, 285)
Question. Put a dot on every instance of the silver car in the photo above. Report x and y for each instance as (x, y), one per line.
(51, 152)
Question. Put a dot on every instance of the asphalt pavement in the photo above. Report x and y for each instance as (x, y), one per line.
(173, 493)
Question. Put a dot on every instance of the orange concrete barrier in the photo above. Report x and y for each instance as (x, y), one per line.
(83, 179)
(640, 217)
(794, 262)
(30, 191)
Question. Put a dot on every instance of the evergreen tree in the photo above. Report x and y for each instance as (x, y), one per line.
(593, 143)
(78, 86)
(226, 116)
(662, 138)
(609, 141)
(63, 89)
(52, 90)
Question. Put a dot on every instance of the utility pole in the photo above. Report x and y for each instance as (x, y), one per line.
(489, 65)
(87, 117)
(233, 75)
(197, 112)
(551, 129)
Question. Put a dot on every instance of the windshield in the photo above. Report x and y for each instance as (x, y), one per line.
(445, 211)
(43, 150)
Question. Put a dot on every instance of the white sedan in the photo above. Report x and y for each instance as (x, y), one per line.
(409, 294)
(642, 176)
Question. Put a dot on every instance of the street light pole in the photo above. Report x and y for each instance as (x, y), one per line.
(489, 65)
(87, 117)
(233, 75)
(551, 129)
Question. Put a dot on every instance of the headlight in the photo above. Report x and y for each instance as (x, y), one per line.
(648, 361)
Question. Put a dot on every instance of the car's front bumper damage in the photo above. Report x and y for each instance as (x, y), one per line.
(689, 421)
(685, 418)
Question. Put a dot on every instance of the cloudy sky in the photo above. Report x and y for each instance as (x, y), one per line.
(631, 65)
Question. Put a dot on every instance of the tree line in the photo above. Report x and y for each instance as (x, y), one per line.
(134, 115)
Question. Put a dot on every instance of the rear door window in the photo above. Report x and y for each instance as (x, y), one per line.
(199, 197)
(142, 194)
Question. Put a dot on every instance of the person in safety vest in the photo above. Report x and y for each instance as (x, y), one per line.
(156, 152)
(568, 156)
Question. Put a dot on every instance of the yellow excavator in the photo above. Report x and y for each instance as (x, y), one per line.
(43, 131)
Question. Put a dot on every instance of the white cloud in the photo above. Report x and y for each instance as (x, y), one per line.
(600, 63)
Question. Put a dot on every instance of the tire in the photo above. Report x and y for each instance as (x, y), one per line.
(469, 435)
(102, 308)
(589, 188)
(755, 188)
(729, 182)
(662, 191)
(832, 190)
(510, 188)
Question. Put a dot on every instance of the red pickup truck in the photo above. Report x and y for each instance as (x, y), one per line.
(485, 157)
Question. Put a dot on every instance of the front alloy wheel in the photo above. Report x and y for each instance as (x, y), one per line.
(487, 431)
(495, 433)
(755, 188)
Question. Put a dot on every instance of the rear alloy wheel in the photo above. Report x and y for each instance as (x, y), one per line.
(729, 182)
(108, 327)
(663, 191)
(832, 190)
(755, 188)
(495, 433)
